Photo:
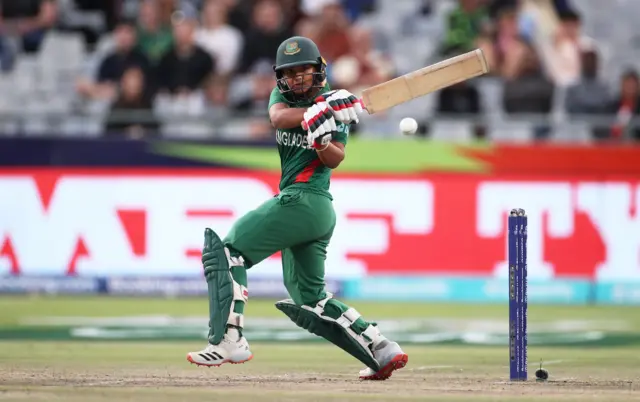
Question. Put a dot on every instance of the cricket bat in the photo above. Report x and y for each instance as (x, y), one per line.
(423, 81)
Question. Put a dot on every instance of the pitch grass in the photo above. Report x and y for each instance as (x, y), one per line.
(156, 371)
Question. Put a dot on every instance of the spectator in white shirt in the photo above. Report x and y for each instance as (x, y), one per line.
(220, 39)
(564, 61)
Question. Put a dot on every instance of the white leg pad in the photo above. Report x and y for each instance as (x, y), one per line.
(240, 293)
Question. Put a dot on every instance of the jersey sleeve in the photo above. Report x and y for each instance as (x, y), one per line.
(343, 133)
(276, 97)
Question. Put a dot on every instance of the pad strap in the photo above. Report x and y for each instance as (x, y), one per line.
(235, 319)
(373, 334)
(346, 320)
(240, 293)
(319, 308)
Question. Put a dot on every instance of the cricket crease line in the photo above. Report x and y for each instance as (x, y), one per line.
(544, 363)
(429, 368)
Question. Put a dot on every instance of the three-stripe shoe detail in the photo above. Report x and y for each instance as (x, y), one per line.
(211, 356)
(227, 351)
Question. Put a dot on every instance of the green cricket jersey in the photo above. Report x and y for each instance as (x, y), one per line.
(299, 162)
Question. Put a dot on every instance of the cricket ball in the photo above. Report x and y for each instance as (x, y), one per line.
(408, 126)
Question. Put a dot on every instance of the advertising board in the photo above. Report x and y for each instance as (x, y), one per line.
(150, 223)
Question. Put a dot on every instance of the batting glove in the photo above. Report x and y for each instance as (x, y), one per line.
(320, 125)
(344, 105)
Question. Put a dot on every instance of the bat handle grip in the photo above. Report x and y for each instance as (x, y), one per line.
(305, 126)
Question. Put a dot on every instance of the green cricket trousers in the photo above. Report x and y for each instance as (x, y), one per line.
(297, 222)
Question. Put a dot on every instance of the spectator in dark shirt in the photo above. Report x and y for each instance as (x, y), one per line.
(186, 66)
(125, 55)
(590, 94)
(267, 32)
(626, 107)
(28, 19)
(527, 89)
(133, 97)
(461, 98)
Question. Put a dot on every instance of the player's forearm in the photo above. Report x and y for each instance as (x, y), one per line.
(332, 156)
(287, 118)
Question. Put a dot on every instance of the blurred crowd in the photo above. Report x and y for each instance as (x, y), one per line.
(537, 48)
(215, 57)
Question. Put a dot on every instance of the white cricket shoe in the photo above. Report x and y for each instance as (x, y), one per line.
(390, 358)
(227, 351)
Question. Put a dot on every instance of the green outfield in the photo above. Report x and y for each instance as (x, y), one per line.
(455, 354)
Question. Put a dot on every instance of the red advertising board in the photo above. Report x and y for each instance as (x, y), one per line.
(150, 222)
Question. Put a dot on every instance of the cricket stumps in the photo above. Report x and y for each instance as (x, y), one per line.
(517, 250)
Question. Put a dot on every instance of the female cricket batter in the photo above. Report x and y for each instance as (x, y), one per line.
(299, 222)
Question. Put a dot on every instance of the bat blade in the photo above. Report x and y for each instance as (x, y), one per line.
(424, 81)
